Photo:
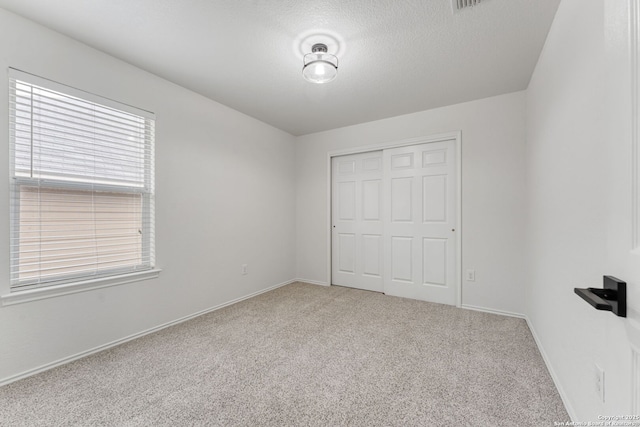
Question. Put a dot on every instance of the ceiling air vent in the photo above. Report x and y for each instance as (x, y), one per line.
(463, 4)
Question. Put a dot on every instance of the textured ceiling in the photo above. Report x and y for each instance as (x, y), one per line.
(396, 56)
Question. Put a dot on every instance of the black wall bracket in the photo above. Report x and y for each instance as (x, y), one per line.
(613, 297)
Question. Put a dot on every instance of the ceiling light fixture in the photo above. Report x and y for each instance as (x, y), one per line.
(320, 66)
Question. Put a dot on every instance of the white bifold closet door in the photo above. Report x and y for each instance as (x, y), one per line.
(357, 221)
(394, 216)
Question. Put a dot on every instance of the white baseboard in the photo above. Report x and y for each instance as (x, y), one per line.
(100, 348)
(556, 380)
(312, 282)
(492, 311)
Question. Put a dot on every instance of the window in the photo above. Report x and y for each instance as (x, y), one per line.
(82, 185)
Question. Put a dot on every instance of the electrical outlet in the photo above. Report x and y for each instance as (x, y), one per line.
(243, 269)
(599, 379)
(471, 275)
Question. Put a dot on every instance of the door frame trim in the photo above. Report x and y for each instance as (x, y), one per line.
(448, 136)
(634, 59)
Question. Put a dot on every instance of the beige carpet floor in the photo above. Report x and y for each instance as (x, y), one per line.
(304, 355)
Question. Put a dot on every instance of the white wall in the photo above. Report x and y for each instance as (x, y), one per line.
(493, 133)
(578, 186)
(225, 196)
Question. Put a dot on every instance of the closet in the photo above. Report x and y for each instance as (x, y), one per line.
(393, 221)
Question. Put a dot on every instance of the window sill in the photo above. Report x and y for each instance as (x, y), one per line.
(20, 297)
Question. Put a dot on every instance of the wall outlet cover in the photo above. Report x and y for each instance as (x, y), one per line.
(471, 275)
(599, 382)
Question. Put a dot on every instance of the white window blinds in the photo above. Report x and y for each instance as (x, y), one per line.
(82, 185)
